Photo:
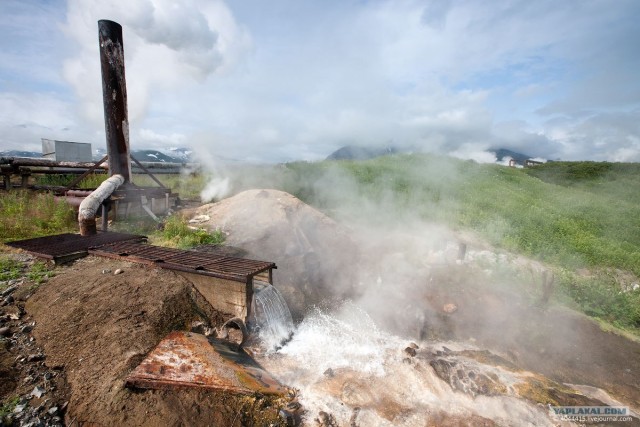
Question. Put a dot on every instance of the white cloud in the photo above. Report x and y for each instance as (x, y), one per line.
(285, 80)
(168, 46)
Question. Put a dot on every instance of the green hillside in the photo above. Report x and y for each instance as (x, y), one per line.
(574, 216)
(552, 212)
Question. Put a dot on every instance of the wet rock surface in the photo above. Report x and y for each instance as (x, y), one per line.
(466, 380)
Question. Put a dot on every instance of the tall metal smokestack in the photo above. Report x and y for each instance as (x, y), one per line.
(114, 94)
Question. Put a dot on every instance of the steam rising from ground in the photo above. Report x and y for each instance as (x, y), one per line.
(410, 280)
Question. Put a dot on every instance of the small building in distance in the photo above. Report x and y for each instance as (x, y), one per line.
(65, 151)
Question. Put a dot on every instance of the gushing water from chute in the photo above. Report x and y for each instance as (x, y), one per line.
(344, 365)
(272, 318)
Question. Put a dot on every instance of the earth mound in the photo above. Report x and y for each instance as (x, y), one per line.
(315, 255)
(97, 326)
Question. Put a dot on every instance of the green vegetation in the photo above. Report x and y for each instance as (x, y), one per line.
(174, 232)
(572, 226)
(7, 408)
(9, 269)
(603, 297)
(571, 215)
(581, 218)
(177, 233)
(26, 214)
(39, 273)
(88, 182)
(187, 185)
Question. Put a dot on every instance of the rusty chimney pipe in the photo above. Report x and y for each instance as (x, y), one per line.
(114, 95)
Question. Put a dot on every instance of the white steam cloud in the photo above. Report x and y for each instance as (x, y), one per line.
(168, 46)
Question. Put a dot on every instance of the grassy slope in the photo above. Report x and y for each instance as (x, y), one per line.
(574, 223)
(571, 215)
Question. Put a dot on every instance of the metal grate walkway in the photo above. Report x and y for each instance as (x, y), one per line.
(237, 269)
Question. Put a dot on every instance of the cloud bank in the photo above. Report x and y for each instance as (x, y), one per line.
(289, 80)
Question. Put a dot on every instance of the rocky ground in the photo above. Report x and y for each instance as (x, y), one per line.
(33, 393)
(72, 341)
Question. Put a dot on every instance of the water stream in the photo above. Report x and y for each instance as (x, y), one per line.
(272, 318)
(345, 366)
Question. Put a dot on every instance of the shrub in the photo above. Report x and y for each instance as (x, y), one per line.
(26, 214)
(177, 233)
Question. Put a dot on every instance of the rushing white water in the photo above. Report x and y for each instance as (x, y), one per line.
(345, 366)
(271, 315)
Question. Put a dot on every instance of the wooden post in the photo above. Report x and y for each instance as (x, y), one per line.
(462, 251)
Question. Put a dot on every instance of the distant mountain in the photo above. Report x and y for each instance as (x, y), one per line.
(155, 156)
(501, 153)
(177, 155)
(17, 153)
(351, 152)
(181, 153)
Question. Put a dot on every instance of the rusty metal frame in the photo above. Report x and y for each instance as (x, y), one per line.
(187, 360)
(222, 267)
(66, 247)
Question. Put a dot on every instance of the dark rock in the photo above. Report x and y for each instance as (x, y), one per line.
(294, 406)
(26, 329)
(287, 417)
(326, 420)
(35, 357)
(9, 299)
(329, 373)
(442, 368)
(414, 345)
(198, 327)
(9, 290)
(410, 351)
(5, 331)
(472, 384)
(354, 417)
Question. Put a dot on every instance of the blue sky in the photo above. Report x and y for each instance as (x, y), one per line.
(288, 80)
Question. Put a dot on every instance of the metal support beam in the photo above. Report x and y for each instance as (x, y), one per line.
(105, 215)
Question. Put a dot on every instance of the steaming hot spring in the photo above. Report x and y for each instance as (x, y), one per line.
(407, 325)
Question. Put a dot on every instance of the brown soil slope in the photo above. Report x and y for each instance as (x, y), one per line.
(99, 326)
